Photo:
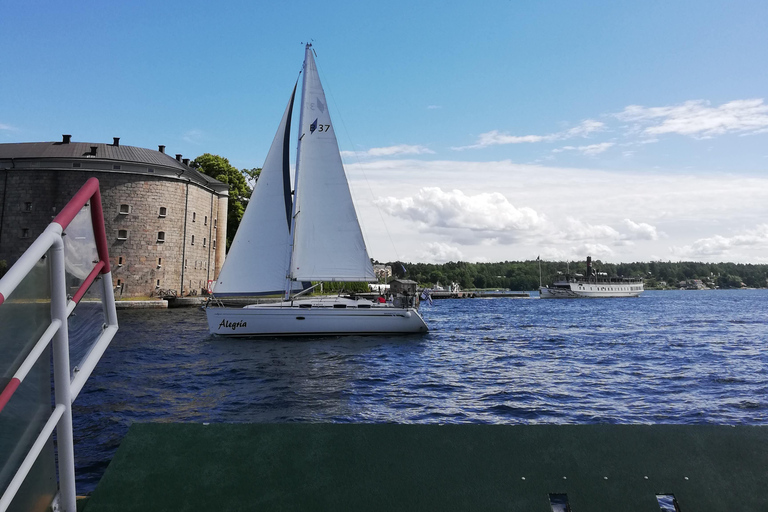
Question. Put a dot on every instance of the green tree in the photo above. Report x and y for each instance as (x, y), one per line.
(729, 281)
(436, 277)
(252, 175)
(219, 168)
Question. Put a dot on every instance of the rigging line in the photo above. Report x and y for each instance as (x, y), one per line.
(329, 91)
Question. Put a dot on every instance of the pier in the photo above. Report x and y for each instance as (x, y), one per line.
(322, 466)
(480, 294)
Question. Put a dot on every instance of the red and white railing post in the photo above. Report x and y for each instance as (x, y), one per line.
(63, 395)
(66, 388)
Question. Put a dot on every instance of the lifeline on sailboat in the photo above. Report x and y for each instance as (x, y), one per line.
(283, 242)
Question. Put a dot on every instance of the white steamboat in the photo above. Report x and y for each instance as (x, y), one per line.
(592, 286)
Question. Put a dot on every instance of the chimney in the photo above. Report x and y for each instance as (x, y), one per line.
(186, 161)
(589, 266)
(161, 149)
(65, 139)
(178, 157)
(93, 150)
(116, 141)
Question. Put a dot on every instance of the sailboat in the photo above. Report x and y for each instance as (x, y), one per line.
(286, 240)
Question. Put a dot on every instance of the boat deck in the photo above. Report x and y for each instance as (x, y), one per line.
(389, 467)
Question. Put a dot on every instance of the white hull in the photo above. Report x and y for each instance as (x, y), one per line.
(284, 319)
(591, 290)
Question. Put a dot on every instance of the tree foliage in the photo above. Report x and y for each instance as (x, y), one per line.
(219, 168)
(524, 275)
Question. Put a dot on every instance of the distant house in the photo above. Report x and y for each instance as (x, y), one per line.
(383, 272)
(165, 222)
(693, 284)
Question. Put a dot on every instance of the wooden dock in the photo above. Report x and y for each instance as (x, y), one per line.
(480, 294)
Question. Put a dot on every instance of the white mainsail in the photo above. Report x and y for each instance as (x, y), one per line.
(328, 242)
(257, 262)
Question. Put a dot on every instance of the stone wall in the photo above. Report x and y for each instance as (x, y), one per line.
(150, 224)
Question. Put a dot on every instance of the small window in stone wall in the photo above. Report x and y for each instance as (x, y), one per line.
(150, 169)
(186, 262)
(119, 283)
(158, 284)
(161, 236)
(205, 220)
(214, 244)
(215, 221)
(159, 262)
(24, 232)
(163, 211)
(205, 241)
(27, 207)
(122, 234)
(194, 216)
(125, 209)
(193, 239)
(116, 167)
(120, 261)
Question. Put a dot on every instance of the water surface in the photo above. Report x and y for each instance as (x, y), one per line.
(666, 357)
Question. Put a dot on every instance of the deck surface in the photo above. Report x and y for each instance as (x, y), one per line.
(391, 467)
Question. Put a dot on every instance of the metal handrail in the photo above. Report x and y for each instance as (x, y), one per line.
(66, 390)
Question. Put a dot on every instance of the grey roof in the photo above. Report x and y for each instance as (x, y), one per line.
(128, 154)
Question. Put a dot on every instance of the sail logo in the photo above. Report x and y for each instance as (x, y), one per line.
(319, 104)
(232, 325)
(318, 127)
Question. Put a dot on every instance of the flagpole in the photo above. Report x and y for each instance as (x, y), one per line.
(538, 258)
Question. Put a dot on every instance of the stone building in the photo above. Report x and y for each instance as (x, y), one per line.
(165, 222)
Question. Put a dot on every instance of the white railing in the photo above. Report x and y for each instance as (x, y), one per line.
(51, 244)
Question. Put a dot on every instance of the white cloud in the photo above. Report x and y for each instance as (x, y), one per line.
(681, 207)
(460, 215)
(640, 231)
(584, 129)
(8, 127)
(696, 118)
(438, 252)
(434, 107)
(578, 230)
(591, 150)
(193, 137)
(595, 149)
(597, 251)
(719, 246)
(495, 137)
(400, 149)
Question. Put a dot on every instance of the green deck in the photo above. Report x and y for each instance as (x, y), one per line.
(389, 467)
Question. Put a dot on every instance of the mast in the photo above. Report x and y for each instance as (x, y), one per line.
(288, 279)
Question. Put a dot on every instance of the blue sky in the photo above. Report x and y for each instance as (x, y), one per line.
(480, 131)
